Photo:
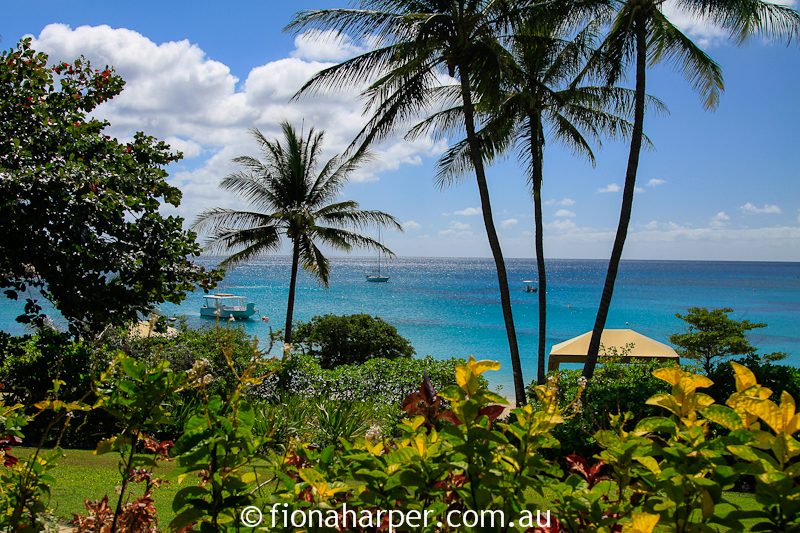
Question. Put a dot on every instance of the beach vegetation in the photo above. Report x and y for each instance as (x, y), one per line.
(713, 336)
(456, 449)
(421, 44)
(347, 339)
(293, 194)
(80, 211)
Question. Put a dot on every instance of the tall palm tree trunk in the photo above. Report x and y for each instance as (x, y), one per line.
(287, 335)
(627, 200)
(537, 164)
(491, 233)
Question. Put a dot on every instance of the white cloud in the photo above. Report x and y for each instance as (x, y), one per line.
(411, 225)
(176, 92)
(561, 225)
(652, 225)
(720, 220)
(639, 190)
(702, 30)
(611, 187)
(565, 213)
(767, 209)
(655, 182)
(457, 230)
(316, 45)
(507, 223)
(566, 202)
(468, 212)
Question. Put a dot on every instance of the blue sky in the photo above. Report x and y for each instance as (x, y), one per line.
(718, 185)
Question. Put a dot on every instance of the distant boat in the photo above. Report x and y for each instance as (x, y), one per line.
(227, 306)
(529, 285)
(377, 277)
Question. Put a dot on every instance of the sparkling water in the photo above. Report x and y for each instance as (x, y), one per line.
(451, 307)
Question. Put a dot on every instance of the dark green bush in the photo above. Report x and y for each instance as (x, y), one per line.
(615, 388)
(28, 366)
(190, 345)
(341, 340)
(777, 377)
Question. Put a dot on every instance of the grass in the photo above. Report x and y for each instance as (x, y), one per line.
(80, 475)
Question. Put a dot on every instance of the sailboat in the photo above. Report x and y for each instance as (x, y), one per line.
(378, 277)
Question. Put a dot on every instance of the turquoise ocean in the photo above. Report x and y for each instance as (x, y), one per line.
(450, 306)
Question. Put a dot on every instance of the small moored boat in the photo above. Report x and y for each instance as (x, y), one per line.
(227, 306)
(529, 285)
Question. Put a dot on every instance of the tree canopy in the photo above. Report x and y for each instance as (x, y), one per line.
(713, 335)
(79, 210)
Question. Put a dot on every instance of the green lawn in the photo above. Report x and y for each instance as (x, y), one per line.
(81, 475)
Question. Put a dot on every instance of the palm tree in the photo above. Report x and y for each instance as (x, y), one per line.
(292, 196)
(543, 91)
(640, 32)
(422, 42)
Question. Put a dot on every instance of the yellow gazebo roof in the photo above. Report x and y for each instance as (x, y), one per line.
(635, 345)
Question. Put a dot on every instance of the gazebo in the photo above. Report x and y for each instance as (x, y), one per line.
(626, 343)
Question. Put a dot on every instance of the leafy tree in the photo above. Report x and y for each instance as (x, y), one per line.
(352, 339)
(294, 197)
(423, 43)
(713, 335)
(641, 33)
(80, 211)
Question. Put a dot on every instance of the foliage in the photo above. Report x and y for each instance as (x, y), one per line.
(350, 339)
(25, 485)
(776, 377)
(190, 345)
(293, 194)
(385, 381)
(615, 389)
(95, 244)
(28, 367)
(713, 336)
(219, 444)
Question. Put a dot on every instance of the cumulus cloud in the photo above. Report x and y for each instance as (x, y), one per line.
(701, 29)
(507, 223)
(468, 212)
(655, 182)
(565, 213)
(720, 220)
(411, 225)
(611, 187)
(566, 202)
(561, 225)
(767, 209)
(176, 92)
(329, 45)
(458, 230)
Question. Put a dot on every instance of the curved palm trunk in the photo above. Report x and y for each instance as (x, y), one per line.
(287, 335)
(491, 233)
(627, 201)
(537, 164)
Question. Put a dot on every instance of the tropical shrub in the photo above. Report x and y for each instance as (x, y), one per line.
(615, 388)
(28, 367)
(385, 381)
(350, 339)
(777, 377)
